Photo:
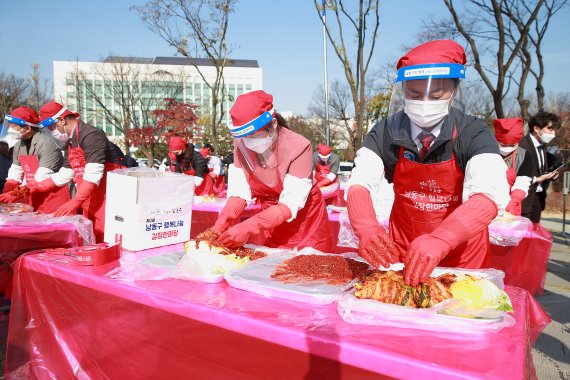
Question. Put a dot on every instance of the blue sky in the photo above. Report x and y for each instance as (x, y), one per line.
(285, 37)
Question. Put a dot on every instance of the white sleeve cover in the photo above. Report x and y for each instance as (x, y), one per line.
(486, 173)
(63, 176)
(331, 176)
(237, 184)
(15, 173)
(295, 193)
(522, 183)
(94, 173)
(198, 181)
(216, 164)
(368, 171)
(42, 173)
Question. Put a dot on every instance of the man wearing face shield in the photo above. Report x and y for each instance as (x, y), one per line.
(508, 133)
(35, 158)
(89, 156)
(449, 179)
(184, 159)
(274, 165)
(326, 165)
(542, 130)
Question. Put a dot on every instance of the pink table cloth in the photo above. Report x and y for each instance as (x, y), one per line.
(69, 321)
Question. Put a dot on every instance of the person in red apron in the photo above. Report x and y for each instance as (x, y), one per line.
(508, 133)
(184, 159)
(449, 178)
(274, 165)
(35, 159)
(89, 157)
(326, 165)
(216, 171)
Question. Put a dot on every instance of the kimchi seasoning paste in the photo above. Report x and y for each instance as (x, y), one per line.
(334, 270)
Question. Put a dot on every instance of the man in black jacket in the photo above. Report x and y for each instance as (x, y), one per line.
(542, 130)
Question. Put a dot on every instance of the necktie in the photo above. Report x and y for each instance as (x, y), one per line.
(540, 149)
(426, 139)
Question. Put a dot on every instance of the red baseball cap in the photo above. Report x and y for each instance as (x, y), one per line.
(54, 110)
(176, 143)
(26, 114)
(508, 131)
(251, 112)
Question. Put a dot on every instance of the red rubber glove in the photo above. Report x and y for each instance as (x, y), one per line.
(514, 206)
(70, 207)
(231, 212)
(45, 186)
(9, 186)
(375, 245)
(8, 198)
(426, 251)
(239, 234)
(323, 182)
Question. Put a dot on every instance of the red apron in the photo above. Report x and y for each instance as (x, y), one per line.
(44, 202)
(425, 194)
(218, 184)
(207, 185)
(309, 229)
(322, 171)
(94, 206)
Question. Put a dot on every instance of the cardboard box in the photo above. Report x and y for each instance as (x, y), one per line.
(146, 208)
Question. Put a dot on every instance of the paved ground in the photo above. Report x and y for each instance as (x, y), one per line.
(551, 353)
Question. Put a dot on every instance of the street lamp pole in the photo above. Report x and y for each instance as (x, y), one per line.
(326, 84)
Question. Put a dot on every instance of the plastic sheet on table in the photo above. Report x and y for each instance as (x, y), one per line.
(256, 278)
(346, 235)
(509, 230)
(144, 172)
(447, 316)
(33, 222)
(15, 208)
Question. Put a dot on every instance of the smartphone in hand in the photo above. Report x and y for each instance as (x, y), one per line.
(556, 166)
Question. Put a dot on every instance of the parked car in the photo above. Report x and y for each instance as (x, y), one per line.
(143, 162)
(345, 169)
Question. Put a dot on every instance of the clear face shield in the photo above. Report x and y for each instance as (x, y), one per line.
(426, 93)
(258, 151)
(13, 129)
(54, 131)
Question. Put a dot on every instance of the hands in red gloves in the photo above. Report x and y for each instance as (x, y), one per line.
(377, 248)
(231, 212)
(375, 245)
(323, 182)
(45, 186)
(8, 198)
(423, 255)
(70, 207)
(514, 206)
(239, 234)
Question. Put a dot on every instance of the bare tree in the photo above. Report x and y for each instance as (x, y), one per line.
(12, 92)
(340, 106)
(125, 94)
(40, 91)
(517, 13)
(196, 29)
(483, 23)
(364, 20)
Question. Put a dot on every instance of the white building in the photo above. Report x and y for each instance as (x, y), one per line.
(91, 87)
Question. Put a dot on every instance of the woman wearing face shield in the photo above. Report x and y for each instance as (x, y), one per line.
(274, 165)
(449, 179)
(89, 156)
(508, 133)
(35, 158)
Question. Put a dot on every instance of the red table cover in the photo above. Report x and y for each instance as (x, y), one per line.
(69, 321)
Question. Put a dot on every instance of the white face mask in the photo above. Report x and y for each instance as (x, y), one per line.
(426, 113)
(547, 137)
(258, 145)
(12, 137)
(506, 150)
(63, 137)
